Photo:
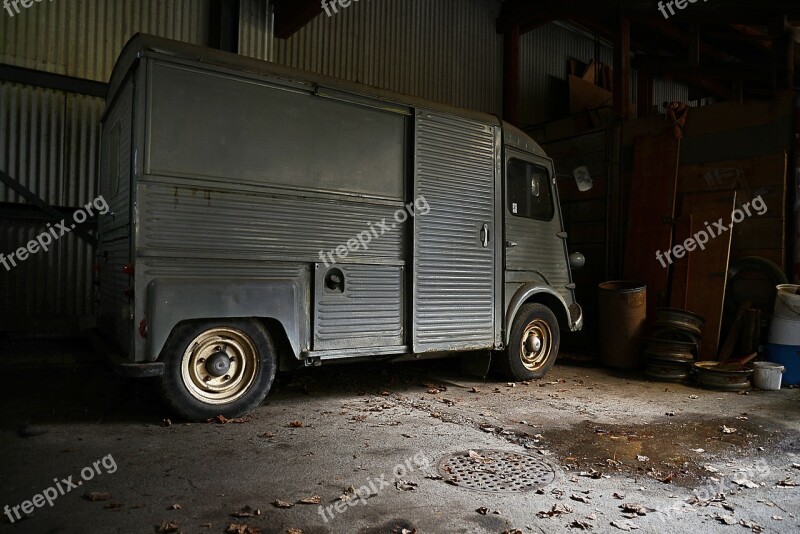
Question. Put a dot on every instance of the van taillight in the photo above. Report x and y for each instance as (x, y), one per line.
(143, 328)
(128, 269)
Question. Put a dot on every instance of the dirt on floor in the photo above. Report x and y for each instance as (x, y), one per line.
(366, 448)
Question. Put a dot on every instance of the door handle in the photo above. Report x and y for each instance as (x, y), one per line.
(485, 235)
(511, 244)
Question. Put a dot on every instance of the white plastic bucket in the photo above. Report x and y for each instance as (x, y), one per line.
(787, 305)
(768, 375)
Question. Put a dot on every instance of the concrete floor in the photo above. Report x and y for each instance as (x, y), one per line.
(611, 439)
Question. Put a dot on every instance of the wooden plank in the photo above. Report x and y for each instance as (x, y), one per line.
(584, 96)
(766, 232)
(708, 269)
(680, 269)
(622, 67)
(733, 336)
(734, 115)
(753, 173)
(650, 216)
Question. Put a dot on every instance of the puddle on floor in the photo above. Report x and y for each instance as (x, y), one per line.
(667, 446)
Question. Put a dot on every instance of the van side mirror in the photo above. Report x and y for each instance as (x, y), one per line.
(577, 260)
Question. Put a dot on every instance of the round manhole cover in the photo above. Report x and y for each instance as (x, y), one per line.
(496, 471)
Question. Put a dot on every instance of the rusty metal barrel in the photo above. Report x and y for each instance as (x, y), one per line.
(623, 316)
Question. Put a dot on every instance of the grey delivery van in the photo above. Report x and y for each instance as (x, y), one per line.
(264, 217)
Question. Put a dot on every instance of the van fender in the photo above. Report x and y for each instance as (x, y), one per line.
(171, 301)
(524, 293)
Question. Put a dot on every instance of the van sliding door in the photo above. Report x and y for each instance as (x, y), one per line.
(454, 243)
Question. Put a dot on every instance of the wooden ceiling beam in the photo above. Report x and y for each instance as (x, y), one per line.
(292, 15)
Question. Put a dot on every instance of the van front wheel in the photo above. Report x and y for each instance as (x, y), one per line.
(217, 368)
(533, 345)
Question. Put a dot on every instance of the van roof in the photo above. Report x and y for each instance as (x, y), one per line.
(144, 45)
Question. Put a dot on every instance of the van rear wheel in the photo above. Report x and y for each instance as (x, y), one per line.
(217, 368)
(534, 343)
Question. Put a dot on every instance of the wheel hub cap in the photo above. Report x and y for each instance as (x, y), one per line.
(534, 343)
(537, 341)
(218, 364)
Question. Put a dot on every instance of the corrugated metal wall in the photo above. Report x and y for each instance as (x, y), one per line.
(448, 51)
(544, 55)
(49, 139)
(444, 50)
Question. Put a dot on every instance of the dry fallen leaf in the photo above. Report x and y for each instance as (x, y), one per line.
(294, 531)
(96, 496)
(624, 524)
(581, 525)
(580, 498)
(222, 420)
(277, 503)
(743, 482)
(728, 430)
(167, 527)
(174, 507)
(788, 483)
(246, 512)
(635, 508)
(405, 485)
(113, 505)
(296, 424)
(556, 511)
(314, 499)
(240, 528)
(726, 519)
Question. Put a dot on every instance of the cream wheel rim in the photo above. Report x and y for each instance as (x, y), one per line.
(536, 344)
(219, 365)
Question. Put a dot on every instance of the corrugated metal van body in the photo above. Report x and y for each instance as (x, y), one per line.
(454, 255)
(250, 178)
(115, 314)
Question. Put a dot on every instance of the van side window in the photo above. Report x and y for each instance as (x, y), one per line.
(529, 191)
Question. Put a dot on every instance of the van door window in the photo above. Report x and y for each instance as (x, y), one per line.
(529, 191)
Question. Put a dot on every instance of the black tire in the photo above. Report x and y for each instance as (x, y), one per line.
(196, 392)
(753, 263)
(535, 320)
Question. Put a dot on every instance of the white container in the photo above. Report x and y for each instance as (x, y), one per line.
(784, 331)
(768, 375)
(787, 305)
